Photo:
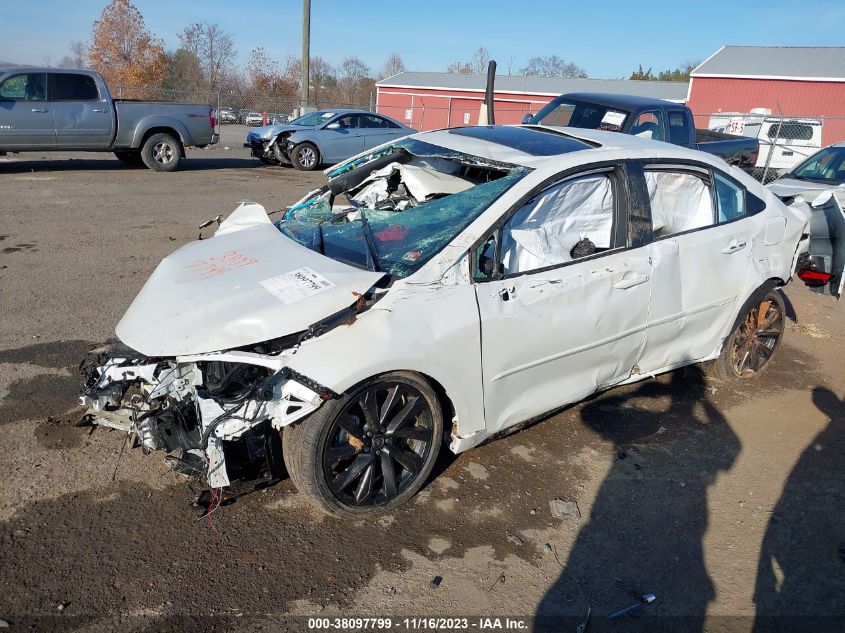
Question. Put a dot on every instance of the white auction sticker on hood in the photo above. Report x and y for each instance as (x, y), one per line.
(296, 285)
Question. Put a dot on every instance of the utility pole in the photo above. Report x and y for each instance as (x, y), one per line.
(306, 53)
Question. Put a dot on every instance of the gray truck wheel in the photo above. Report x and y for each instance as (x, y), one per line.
(130, 158)
(305, 157)
(162, 152)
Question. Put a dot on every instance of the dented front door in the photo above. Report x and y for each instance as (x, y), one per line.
(554, 337)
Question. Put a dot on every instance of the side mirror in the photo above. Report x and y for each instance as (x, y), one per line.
(527, 118)
(333, 126)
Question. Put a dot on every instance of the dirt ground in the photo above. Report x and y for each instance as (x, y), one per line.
(726, 502)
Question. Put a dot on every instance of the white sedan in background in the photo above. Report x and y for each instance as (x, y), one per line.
(440, 289)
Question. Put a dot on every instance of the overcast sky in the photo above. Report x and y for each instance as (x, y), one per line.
(608, 38)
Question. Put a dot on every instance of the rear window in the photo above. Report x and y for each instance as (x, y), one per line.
(679, 128)
(73, 88)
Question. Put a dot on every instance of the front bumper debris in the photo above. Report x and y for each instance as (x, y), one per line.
(212, 417)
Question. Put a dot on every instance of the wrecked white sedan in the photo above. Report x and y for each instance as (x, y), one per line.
(440, 289)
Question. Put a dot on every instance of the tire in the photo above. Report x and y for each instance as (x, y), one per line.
(130, 158)
(162, 152)
(305, 157)
(344, 455)
(754, 339)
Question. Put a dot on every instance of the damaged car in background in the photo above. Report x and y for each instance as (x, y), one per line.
(323, 137)
(438, 290)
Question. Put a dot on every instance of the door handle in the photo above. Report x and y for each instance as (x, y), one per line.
(505, 294)
(733, 247)
(100, 111)
(630, 282)
(40, 110)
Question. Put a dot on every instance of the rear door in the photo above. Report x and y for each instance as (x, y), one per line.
(377, 130)
(563, 297)
(341, 138)
(26, 117)
(83, 117)
(701, 258)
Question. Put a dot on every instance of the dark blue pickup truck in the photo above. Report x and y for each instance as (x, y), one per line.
(652, 118)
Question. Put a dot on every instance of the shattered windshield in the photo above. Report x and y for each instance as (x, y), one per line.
(399, 208)
(587, 116)
(312, 119)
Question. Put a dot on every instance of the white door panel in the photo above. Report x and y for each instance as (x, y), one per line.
(554, 337)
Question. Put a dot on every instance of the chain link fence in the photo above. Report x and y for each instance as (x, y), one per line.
(234, 107)
(786, 140)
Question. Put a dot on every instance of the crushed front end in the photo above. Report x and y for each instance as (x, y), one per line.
(217, 416)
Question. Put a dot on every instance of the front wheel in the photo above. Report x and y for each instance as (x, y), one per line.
(162, 152)
(757, 334)
(305, 156)
(368, 451)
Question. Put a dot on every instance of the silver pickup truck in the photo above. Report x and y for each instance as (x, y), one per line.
(72, 110)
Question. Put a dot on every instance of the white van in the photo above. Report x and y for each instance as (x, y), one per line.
(791, 140)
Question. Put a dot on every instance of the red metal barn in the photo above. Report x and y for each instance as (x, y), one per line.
(430, 100)
(796, 81)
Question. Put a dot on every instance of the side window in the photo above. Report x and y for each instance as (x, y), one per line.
(649, 125)
(69, 87)
(567, 221)
(30, 87)
(372, 121)
(348, 121)
(730, 198)
(680, 202)
(679, 130)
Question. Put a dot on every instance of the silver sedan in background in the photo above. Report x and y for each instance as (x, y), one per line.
(324, 136)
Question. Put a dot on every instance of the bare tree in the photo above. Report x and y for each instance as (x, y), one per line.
(552, 66)
(480, 59)
(478, 63)
(267, 75)
(460, 68)
(352, 79)
(393, 66)
(76, 59)
(214, 49)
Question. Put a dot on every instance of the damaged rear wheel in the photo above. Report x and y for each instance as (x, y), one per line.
(756, 336)
(370, 450)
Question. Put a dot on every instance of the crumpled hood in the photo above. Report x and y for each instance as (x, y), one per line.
(247, 284)
(269, 131)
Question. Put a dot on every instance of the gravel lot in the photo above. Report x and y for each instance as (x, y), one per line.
(727, 503)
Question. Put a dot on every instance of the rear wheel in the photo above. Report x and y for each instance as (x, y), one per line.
(757, 334)
(368, 451)
(305, 156)
(131, 158)
(162, 152)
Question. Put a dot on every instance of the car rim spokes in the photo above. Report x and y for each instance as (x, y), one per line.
(163, 153)
(306, 157)
(378, 444)
(757, 338)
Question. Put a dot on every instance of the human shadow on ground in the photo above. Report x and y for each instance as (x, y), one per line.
(801, 573)
(645, 527)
